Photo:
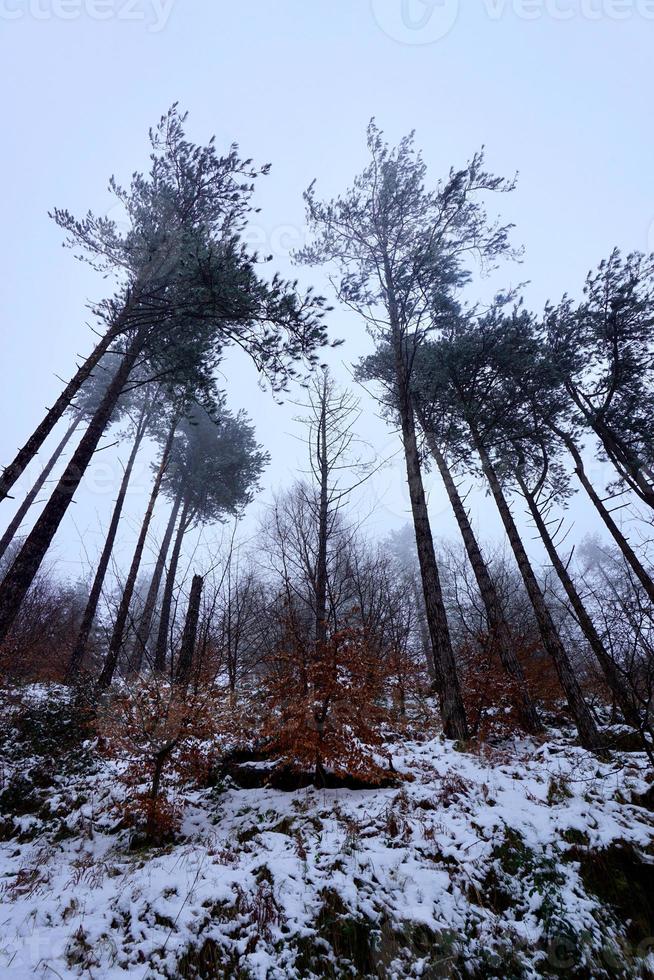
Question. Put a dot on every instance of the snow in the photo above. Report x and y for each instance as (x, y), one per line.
(252, 868)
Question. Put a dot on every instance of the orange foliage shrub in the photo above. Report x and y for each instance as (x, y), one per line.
(492, 697)
(325, 707)
(158, 727)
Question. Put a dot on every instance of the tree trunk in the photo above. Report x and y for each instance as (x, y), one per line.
(13, 471)
(588, 733)
(425, 640)
(451, 702)
(145, 621)
(497, 626)
(629, 554)
(118, 634)
(190, 632)
(159, 763)
(21, 574)
(628, 467)
(323, 518)
(627, 464)
(161, 646)
(586, 624)
(22, 511)
(79, 650)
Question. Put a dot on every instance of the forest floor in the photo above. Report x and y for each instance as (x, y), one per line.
(527, 858)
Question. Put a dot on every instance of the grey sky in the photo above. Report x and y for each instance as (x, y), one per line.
(559, 91)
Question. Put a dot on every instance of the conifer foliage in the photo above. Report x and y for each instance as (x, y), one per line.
(306, 645)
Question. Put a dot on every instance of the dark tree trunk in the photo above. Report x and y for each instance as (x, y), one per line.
(586, 624)
(161, 646)
(187, 648)
(629, 554)
(323, 520)
(588, 733)
(79, 650)
(498, 628)
(145, 621)
(21, 574)
(159, 762)
(627, 466)
(118, 634)
(22, 511)
(425, 640)
(13, 471)
(447, 681)
(625, 461)
(319, 774)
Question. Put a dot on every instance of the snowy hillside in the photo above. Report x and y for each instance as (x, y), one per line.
(524, 859)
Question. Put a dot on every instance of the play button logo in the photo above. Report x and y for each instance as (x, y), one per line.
(416, 21)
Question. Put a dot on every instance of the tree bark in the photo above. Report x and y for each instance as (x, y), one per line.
(118, 634)
(21, 574)
(588, 733)
(629, 554)
(77, 656)
(145, 621)
(447, 681)
(187, 648)
(158, 768)
(323, 518)
(498, 628)
(627, 464)
(161, 646)
(39, 483)
(24, 455)
(425, 640)
(628, 467)
(586, 624)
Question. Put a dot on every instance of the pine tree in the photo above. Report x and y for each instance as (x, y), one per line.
(601, 350)
(401, 252)
(118, 632)
(447, 441)
(216, 473)
(191, 290)
(468, 377)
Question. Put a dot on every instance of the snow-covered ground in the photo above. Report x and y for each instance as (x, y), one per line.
(489, 862)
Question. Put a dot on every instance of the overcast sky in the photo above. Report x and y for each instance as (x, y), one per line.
(557, 90)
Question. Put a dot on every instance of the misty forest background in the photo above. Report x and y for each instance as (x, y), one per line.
(213, 631)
